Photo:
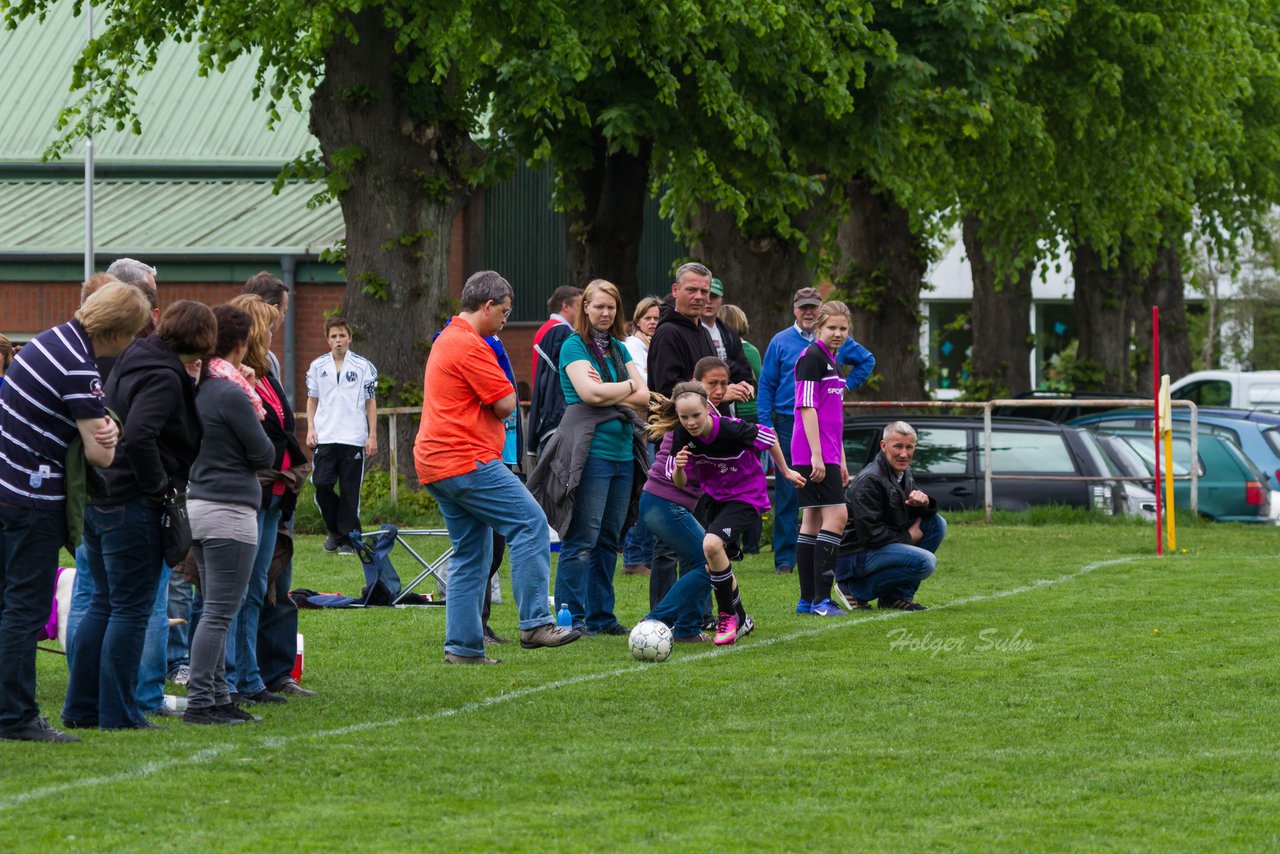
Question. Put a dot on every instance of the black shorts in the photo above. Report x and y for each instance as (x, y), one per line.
(727, 520)
(826, 494)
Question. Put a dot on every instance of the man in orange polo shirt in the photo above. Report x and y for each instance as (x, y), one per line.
(458, 455)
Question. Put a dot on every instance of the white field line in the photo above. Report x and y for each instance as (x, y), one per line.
(820, 627)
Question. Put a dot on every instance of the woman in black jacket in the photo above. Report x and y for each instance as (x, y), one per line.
(152, 392)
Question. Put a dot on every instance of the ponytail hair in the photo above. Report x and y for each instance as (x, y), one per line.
(662, 410)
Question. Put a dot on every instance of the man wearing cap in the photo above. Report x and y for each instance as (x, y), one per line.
(728, 347)
(775, 408)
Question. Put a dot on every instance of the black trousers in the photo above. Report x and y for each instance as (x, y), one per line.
(341, 466)
(29, 544)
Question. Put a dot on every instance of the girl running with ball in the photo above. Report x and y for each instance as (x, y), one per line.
(723, 454)
(817, 449)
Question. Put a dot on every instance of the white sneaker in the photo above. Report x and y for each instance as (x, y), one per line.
(174, 703)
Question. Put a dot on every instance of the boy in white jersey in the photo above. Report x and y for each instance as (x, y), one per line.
(342, 426)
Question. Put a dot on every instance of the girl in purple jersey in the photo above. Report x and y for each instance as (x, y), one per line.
(817, 450)
(723, 453)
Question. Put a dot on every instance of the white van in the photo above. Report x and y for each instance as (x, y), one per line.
(1236, 389)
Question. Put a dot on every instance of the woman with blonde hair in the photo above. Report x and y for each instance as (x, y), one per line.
(277, 502)
(597, 370)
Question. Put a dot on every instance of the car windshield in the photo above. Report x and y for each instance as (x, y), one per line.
(1181, 454)
(1101, 462)
(1122, 456)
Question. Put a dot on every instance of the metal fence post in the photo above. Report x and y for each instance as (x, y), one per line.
(986, 461)
(393, 439)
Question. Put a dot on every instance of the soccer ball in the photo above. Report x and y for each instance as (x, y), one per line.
(651, 640)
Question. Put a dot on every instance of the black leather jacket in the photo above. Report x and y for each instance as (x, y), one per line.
(878, 512)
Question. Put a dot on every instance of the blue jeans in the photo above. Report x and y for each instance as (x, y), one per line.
(786, 519)
(474, 505)
(896, 570)
(589, 553)
(29, 544)
(155, 650)
(81, 595)
(243, 676)
(637, 548)
(683, 605)
(179, 646)
(125, 556)
(278, 631)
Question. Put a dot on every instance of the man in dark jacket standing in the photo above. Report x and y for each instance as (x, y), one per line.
(894, 529)
(680, 339)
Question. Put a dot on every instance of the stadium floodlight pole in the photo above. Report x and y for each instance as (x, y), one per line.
(88, 163)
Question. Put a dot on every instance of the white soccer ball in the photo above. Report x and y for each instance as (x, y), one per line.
(651, 640)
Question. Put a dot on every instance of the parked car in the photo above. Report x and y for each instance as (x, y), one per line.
(1236, 389)
(1059, 406)
(1256, 433)
(1231, 488)
(950, 454)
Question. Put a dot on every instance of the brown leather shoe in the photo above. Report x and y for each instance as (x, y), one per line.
(292, 689)
(636, 569)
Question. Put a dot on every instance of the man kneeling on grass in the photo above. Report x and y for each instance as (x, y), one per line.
(894, 530)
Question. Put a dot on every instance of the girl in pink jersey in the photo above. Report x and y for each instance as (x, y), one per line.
(723, 453)
(817, 451)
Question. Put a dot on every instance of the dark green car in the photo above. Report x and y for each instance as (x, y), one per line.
(1232, 489)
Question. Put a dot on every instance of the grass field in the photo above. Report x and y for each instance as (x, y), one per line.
(1066, 691)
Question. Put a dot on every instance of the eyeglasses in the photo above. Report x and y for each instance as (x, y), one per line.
(506, 310)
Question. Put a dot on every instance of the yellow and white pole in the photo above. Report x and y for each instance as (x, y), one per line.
(1166, 433)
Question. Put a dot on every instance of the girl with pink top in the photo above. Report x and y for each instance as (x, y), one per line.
(817, 451)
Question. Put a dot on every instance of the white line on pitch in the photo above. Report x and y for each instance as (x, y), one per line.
(211, 753)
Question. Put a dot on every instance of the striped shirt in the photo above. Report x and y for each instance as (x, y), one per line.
(52, 383)
(819, 386)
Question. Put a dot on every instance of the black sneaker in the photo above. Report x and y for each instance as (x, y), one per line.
(849, 601)
(617, 630)
(231, 710)
(902, 605)
(263, 696)
(209, 715)
(67, 723)
(38, 730)
(330, 544)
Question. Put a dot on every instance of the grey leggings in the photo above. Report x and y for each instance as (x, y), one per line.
(225, 566)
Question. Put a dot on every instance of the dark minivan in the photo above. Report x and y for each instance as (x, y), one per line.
(949, 461)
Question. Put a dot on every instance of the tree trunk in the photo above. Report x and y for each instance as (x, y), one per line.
(881, 268)
(401, 179)
(1101, 295)
(759, 274)
(1001, 319)
(1162, 286)
(602, 239)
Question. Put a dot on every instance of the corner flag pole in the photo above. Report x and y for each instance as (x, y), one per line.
(1155, 385)
(1166, 433)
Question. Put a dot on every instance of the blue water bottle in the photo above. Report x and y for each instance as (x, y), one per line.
(564, 618)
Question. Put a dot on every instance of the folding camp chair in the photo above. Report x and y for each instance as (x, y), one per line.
(377, 563)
